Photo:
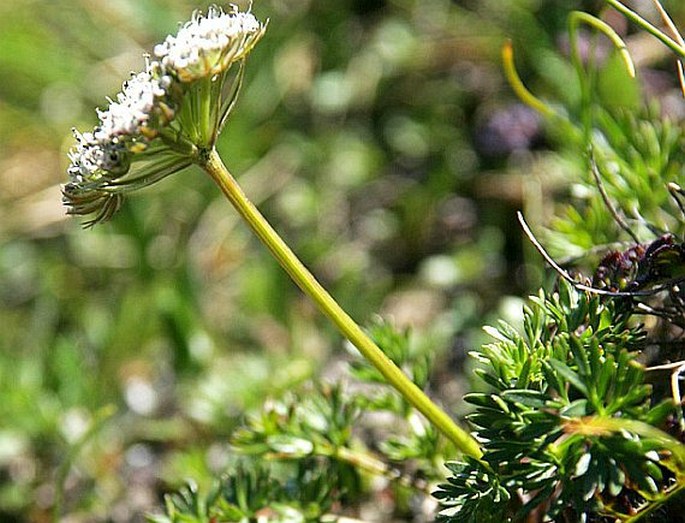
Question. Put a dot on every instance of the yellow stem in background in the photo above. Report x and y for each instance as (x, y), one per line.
(517, 85)
(213, 165)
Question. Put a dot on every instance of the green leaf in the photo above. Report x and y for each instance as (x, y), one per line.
(569, 375)
(658, 414)
(530, 398)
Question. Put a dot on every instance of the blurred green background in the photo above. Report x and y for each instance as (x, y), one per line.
(380, 139)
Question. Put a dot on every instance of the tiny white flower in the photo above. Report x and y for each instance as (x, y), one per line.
(92, 157)
(124, 128)
(133, 106)
(208, 44)
(139, 109)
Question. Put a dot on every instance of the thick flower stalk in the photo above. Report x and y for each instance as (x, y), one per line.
(168, 117)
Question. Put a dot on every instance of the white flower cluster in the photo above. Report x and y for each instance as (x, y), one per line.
(131, 111)
(92, 157)
(123, 127)
(203, 48)
(208, 44)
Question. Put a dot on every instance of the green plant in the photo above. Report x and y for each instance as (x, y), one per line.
(571, 429)
(303, 460)
(570, 421)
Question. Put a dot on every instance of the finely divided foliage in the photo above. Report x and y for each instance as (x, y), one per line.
(568, 427)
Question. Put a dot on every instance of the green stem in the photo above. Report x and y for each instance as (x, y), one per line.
(213, 165)
(583, 79)
(586, 80)
(576, 17)
(644, 24)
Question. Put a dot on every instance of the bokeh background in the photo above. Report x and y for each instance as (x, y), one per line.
(380, 139)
